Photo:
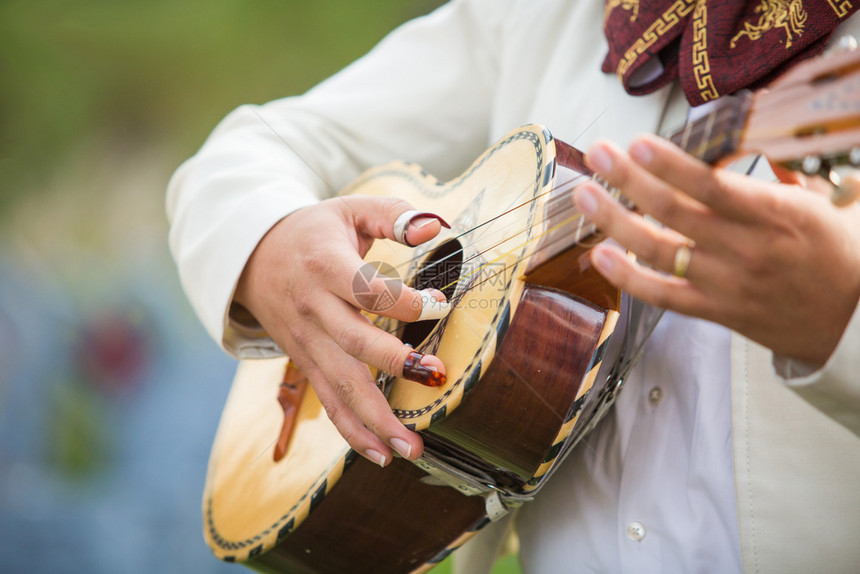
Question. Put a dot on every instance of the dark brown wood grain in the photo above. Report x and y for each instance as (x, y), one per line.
(513, 414)
(375, 520)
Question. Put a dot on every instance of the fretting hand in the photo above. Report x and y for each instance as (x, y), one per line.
(298, 285)
(775, 262)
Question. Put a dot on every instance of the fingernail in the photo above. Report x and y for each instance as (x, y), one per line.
(599, 159)
(641, 152)
(427, 375)
(603, 261)
(375, 456)
(586, 200)
(402, 447)
(435, 294)
(419, 220)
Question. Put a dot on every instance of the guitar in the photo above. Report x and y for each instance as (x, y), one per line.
(532, 349)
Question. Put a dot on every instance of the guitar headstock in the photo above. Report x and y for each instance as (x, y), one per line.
(809, 119)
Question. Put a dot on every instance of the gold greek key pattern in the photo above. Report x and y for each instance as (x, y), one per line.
(701, 64)
(670, 18)
(631, 6)
(841, 7)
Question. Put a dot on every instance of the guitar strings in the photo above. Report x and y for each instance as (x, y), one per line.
(518, 247)
(478, 254)
(487, 222)
(493, 262)
(506, 267)
(566, 206)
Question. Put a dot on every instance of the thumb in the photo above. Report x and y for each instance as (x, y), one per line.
(392, 218)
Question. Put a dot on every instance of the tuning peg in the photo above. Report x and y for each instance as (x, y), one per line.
(846, 187)
(854, 156)
(845, 44)
(847, 191)
(811, 165)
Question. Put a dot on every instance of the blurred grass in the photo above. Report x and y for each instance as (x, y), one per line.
(81, 78)
(505, 565)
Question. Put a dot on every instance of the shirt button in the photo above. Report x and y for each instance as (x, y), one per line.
(655, 396)
(635, 531)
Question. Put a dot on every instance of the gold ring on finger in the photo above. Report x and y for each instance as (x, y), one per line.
(682, 259)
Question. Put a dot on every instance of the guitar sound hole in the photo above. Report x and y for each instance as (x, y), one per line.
(440, 270)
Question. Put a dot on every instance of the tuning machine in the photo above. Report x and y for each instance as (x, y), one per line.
(845, 180)
(844, 44)
(848, 190)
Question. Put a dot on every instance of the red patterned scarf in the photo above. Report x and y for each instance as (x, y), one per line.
(716, 47)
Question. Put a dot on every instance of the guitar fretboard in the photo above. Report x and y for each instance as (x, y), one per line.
(718, 133)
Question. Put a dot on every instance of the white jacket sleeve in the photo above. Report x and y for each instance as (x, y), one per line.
(835, 388)
(423, 95)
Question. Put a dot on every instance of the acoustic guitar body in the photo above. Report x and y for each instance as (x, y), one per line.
(522, 347)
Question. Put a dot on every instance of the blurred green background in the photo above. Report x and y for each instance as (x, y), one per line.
(109, 389)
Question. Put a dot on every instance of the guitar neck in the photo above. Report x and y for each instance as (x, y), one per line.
(710, 138)
(719, 133)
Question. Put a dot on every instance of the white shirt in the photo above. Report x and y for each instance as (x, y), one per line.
(651, 489)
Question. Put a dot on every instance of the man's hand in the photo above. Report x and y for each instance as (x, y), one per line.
(298, 285)
(778, 263)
